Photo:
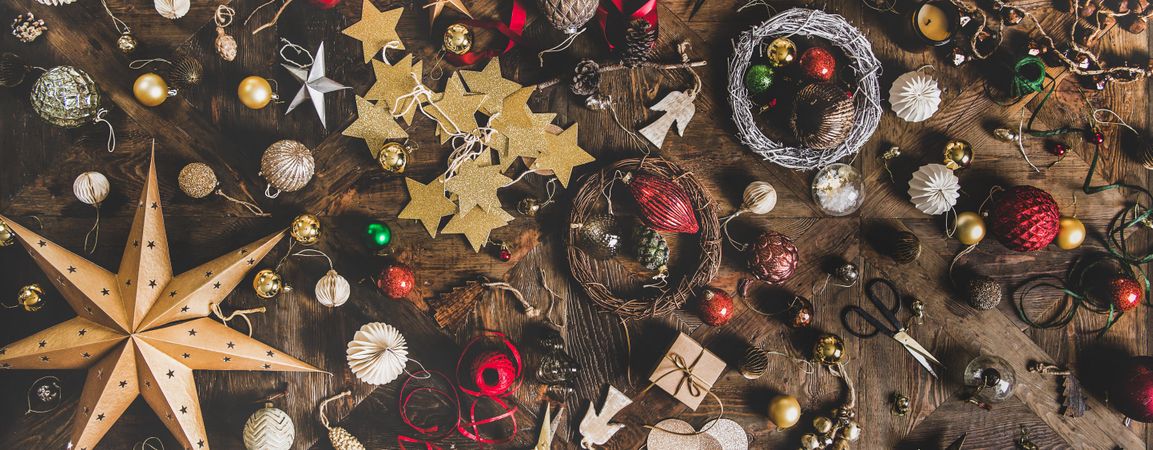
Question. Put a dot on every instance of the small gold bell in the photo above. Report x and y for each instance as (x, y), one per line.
(31, 297)
(958, 154)
(528, 206)
(7, 236)
(457, 39)
(1006, 135)
(306, 229)
(267, 284)
(901, 404)
(393, 157)
(126, 43)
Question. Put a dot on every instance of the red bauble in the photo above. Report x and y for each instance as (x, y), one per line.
(396, 281)
(324, 4)
(818, 64)
(1123, 292)
(715, 306)
(1024, 218)
(664, 204)
(772, 257)
(1131, 391)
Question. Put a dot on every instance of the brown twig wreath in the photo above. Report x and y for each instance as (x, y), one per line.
(590, 200)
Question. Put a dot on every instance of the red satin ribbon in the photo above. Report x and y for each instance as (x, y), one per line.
(614, 17)
(448, 396)
(511, 31)
(509, 367)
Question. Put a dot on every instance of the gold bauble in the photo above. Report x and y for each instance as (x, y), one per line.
(255, 92)
(822, 424)
(457, 39)
(150, 89)
(1071, 234)
(197, 180)
(840, 444)
(7, 236)
(306, 229)
(781, 52)
(126, 43)
(829, 349)
(267, 284)
(31, 297)
(970, 228)
(851, 432)
(958, 154)
(784, 411)
(393, 157)
(810, 441)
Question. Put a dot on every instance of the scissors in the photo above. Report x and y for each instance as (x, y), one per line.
(548, 428)
(894, 328)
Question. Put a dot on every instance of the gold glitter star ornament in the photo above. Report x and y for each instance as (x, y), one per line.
(427, 204)
(374, 124)
(394, 83)
(376, 30)
(142, 331)
(477, 224)
(561, 154)
(476, 186)
(490, 82)
(455, 110)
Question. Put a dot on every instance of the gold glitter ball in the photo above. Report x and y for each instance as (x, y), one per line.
(197, 180)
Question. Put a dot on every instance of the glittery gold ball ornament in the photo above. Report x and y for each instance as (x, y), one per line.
(851, 432)
(393, 157)
(829, 349)
(197, 180)
(958, 154)
(7, 237)
(784, 411)
(255, 92)
(267, 284)
(970, 228)
(984, 292)
(126, 43)
(305, 229)
(457, 39)
(287, 165)
(151, 90)
(31, 297)
(66, 97)
(1071, 233)
(781, 52)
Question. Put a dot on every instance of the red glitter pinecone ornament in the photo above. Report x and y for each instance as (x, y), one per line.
(664, 204)
(1024, 218)
(396, 280)
(715, 306)
(772, 258)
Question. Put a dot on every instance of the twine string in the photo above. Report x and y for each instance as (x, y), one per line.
(529, 310)
(147, 444)
(320, 409)
(138, 64)
(566, 43)
(692, 384)
(121, 27)
(100, 118)
(251, 207)
(242, 313)
(93, 234)
(224, 15)
(275, 18)
(303, 52)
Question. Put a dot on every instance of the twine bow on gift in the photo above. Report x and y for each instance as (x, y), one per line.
(695, 387)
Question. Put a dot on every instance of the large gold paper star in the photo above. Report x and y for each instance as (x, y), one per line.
(427, 204)
(490, 82)
(376, 29)
(374, 124)
(142, 331)
(520, 132)
(455, 110)
(476, 225)
(394, 82)
(435, 7)
(561, 153)
(476, 186)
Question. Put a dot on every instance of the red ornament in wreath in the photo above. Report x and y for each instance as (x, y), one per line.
(664, 204)
(1024, 218)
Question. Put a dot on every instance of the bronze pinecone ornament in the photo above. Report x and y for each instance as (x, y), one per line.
(640, 39)
(586, 78)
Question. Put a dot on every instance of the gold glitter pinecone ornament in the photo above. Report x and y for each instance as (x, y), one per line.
(225, 44)
(984, 292)
(343, 440)
(568, 15)
(639, 41)
(586, 78)
(27, 28)
(822, 116)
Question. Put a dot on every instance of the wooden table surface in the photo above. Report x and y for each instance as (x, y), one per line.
(206, 123)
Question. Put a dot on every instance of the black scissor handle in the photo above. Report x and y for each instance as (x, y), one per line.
(888, 312)
(876, 324)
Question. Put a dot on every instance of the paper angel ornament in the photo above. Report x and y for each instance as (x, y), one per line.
(915, 96)
(934, 189)
(377, 353)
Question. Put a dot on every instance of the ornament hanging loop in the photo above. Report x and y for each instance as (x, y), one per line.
(301, 51)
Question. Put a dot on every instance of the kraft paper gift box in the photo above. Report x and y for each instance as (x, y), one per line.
(687, 371)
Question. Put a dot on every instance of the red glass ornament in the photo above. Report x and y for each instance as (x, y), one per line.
(1131, 390)
(664, 203)
(504, 254)
(324, 4)
(715, 306)
(1096, 137)
(818, 64)
(772, 258)
(1024, 218)
(1124, 292)
(396, 281)
(1058, 149)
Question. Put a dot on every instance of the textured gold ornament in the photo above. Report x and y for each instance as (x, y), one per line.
(255, 92)
(197, 180)
(375, 124)
(225, 44)
(755, 362)
(393, 157)
(970, 228)
(287, 165)
(781, 52)
(490, 82)
(151, 90)
(829, 349)
(31, 297)
(376, 29)
(343, 440)
(477, 224)
(1071, 233)
(7, 236)
(267, 284)
(822, 424)
(126, 43)
(305, 229)
(561, 154)
(958, 154)
(906, 247)
(427, 204)
(457, 39)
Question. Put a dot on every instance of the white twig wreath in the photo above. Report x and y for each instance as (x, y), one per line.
(833, 28)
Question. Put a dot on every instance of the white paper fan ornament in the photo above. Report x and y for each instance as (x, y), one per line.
(377, 353)
(915, 96)
(934, 189)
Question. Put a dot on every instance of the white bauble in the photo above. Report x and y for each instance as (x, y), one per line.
(934, 189)
(915, 96)
(377, 353)
(91, 188)
(269, 428)
(760, 198)
(332, 290)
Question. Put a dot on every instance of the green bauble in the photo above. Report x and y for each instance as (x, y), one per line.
(378, 235)
(759, 78)
(651, 249)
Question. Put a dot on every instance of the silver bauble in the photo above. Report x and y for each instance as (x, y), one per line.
(66, 97)
(287, 165)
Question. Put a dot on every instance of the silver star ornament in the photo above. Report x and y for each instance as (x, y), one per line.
(313, 85)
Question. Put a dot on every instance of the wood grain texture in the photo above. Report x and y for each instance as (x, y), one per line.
(206, 123)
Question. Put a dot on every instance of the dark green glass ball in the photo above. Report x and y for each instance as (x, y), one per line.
(759, 78)
(378, 235)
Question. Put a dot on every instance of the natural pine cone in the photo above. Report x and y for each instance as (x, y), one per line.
(639, 41)
(343, 440)
(586, 78)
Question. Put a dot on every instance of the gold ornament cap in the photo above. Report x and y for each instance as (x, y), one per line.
(457, 39)
(126, 43)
